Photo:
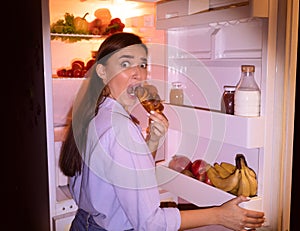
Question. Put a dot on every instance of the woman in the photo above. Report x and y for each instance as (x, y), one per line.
(110, 164)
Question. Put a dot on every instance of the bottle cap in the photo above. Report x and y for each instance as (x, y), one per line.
(248, 68)
(229, 88)
(177, 84)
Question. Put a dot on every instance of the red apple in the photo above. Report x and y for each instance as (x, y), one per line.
(198, 168)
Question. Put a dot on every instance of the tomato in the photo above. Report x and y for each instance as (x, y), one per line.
(61, 72)
(77, 73)
(89, 64)
(69, 73)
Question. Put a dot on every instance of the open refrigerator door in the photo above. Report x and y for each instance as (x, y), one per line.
(205, 52)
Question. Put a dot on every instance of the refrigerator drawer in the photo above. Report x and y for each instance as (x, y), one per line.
(197, 192)
(63, 222)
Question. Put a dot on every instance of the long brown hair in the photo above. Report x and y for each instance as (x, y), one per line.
(90, 96)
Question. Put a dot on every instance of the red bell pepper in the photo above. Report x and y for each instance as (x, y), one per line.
(114, 26)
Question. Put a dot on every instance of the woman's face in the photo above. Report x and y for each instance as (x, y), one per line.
(124, 70)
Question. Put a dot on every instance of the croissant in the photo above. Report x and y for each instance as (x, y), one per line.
(149, 97)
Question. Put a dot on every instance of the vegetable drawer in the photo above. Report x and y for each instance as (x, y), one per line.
(195, 191)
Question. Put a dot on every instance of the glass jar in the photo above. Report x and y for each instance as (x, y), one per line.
(176, 93)
(247, 93)
(227, 102)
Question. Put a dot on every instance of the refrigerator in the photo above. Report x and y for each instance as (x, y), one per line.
(201, 44)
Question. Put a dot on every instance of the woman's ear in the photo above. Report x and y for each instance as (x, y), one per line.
(100, 69)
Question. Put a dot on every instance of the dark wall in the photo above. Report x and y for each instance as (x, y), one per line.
(295, 203)
(25, 173)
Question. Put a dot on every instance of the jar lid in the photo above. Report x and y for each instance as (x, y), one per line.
(248, 68)
(229, 88)
(177, 84)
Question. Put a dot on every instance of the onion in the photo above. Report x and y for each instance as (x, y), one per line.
(180, 163)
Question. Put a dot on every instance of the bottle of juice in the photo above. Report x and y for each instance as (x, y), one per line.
(247, 94)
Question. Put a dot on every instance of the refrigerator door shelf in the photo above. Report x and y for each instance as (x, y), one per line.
(197, 192)
(202, 123)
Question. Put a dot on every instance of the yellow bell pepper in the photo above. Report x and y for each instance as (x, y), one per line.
(81, 25)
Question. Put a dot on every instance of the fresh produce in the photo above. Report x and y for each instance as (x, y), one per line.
(104, 15)
(96, 27)
(77, 70)
(187, 172)
(77, 64)
(62, 72)
(77, 28)
(195, 169)
(226, 184)
(64, 26)
(114, 26)
(228, 166)
(69, 73)
(89, 64)
(222, 171)
(180, 163)
(237, 179)
(199, 169)
(248, 182)
(81, 25)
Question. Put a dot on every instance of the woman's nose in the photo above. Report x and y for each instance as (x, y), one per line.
(136, 72)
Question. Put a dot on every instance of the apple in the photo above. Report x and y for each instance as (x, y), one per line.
(198, 168)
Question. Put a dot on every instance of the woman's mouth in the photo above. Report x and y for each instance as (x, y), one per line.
(131, 89)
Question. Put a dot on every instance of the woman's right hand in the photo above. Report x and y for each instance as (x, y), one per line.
(234, 217)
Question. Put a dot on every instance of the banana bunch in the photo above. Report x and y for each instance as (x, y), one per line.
(236, 179)
(248, 182)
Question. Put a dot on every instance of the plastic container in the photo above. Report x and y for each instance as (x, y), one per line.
(247, 94)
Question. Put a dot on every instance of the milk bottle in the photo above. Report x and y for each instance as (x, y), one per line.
(247, 94)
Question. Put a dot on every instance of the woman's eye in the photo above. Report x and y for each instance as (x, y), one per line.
(125, 64)
(144, 65)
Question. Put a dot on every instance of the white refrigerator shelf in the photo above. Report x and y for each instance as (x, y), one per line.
(245, 132)
(197, 192)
